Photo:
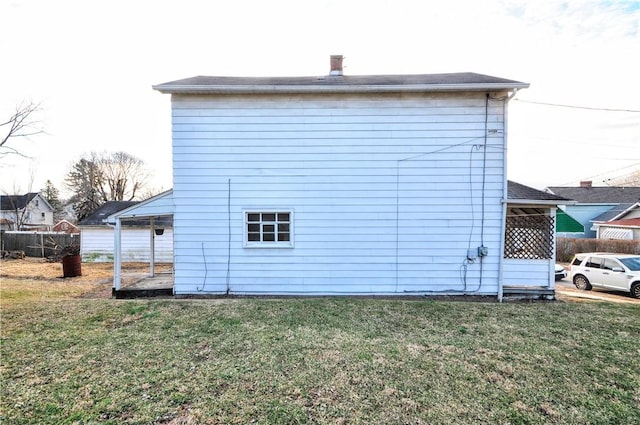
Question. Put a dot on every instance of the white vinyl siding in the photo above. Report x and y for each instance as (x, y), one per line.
(519, 272)
(387, 192)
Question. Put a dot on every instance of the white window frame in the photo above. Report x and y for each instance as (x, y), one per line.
(261, 243)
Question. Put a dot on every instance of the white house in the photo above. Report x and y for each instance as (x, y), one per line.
(25, 212)
(621, 222)
(97, 237)
(341, 185)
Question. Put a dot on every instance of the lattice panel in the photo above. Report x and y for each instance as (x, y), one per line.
(529, 237)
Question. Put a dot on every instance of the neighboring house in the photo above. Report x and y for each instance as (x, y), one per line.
(338, 185)
(567, 226)
(97, 237)
(65, 227)
(592, 201)
(26, 212)
(621, 222)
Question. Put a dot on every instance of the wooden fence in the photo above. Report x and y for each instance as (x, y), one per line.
(38, 244)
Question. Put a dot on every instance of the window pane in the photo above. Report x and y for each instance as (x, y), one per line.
(253, 217)
(253, 227)
(283, 237)
(283, 227)
(283, 216)
(268, 217)
(268, 228)
(253, 237)
(594, 262)
(269, 237)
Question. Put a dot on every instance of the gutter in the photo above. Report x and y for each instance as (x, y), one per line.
(537, 202)
(334, 88)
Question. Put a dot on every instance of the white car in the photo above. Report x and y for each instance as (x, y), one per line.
(620, 272)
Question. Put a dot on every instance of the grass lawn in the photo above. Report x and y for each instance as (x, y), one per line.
(66, 360)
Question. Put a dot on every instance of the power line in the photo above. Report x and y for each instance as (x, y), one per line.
(604, 174)
(579, 107)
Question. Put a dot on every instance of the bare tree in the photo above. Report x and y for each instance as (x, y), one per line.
(104, 177)
(22, 124)
(124, 175)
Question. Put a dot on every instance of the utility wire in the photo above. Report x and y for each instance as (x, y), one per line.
(559, 105)
(601, 174)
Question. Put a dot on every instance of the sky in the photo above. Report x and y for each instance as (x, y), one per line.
(91, 65)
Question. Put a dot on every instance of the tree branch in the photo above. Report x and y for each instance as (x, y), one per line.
(21, 125)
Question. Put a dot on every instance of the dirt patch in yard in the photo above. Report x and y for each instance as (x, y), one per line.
(96, 280)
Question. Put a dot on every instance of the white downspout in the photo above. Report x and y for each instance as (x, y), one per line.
(117, 261)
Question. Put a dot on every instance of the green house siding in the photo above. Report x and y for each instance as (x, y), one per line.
(567, 224)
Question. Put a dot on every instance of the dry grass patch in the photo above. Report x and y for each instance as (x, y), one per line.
(36, 279)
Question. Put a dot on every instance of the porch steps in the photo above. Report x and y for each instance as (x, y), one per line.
(123, 294)
(517, 293)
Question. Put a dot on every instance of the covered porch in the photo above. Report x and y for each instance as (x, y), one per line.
(157, 214)
(529, 252)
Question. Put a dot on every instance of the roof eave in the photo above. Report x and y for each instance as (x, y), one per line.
(346, 88)
(538, 202)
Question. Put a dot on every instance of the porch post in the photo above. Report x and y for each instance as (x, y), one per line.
(152, 244)
(117, 260)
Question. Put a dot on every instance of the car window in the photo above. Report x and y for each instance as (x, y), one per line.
(609, 264)
(594, 262)
(632, 263)
(577, 261)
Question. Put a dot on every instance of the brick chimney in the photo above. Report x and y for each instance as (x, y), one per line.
(586, 184)
(336, 65)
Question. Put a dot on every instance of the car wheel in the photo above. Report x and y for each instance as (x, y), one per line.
(582, 283)
(635, 290)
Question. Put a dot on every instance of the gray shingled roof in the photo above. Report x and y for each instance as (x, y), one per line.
(13, 202)
(520, 191)
(599, 195)
(342, 83)
(613, 212)
(112, 207)
(108, 208)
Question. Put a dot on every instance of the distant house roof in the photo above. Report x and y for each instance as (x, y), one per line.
(615, 212)
(520, 192)
(65, 226)
(13, 202)
(463, 81)
(98, 218)
(108, 208)
(599, 194)
(628, 222)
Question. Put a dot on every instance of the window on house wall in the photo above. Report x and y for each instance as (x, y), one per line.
(529, 234)
(268, 229)
(42, 215)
